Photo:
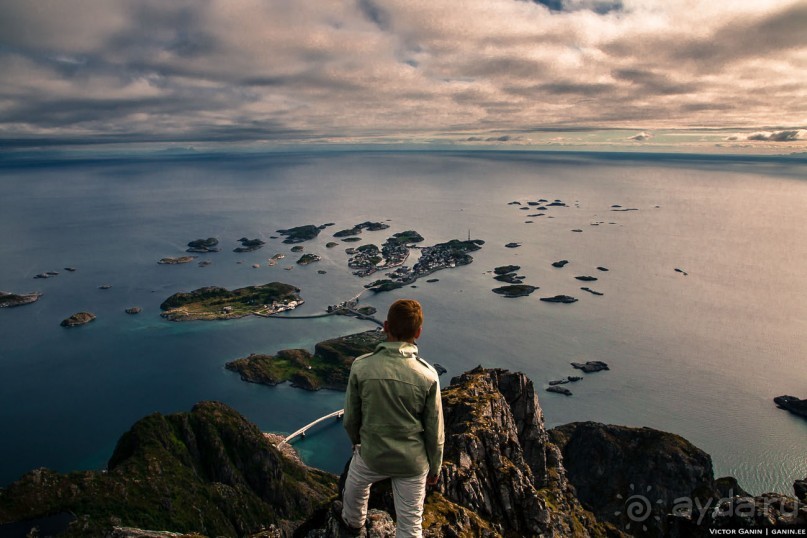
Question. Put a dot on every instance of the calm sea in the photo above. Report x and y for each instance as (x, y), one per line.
(701, 355)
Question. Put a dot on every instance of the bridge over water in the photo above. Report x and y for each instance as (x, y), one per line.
(345, 310)
(301, 431)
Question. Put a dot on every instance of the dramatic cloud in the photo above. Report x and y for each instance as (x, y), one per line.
(398, 71)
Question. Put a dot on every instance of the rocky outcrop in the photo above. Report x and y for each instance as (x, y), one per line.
(208, 471)
(299, 234)
(566, 299)
(505, 269)
(612, 466)
(800, 489)
(79, 318)
(590, 366)
(793, 404)
(770, 511)
(249, 245)
(327, 368)
(203, 245)
(13, 299)
(176, 261)
(655, 483)
(501, 477)
(515, 290)
(211, 473)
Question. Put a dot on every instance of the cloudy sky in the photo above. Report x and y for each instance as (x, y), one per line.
(475, 72)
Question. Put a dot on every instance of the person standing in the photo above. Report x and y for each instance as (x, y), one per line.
(394, 418)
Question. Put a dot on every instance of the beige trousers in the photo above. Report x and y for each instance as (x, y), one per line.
(408, 493)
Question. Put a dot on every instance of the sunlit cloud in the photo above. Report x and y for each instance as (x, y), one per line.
(304, 71)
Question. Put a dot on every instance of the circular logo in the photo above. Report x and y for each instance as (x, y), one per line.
(638, 507)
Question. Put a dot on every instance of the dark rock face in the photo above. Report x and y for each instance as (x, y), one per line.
(208, 471)
(800, 489)
(792, 404)
(133, 310)
(211, 473)
(500, 477)
(770, 511)
(560, 390)
(609, 464)
(560, 263)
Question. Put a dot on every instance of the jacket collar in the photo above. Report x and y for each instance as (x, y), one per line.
(404, 349)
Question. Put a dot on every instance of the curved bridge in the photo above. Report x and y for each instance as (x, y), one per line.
(301, 431)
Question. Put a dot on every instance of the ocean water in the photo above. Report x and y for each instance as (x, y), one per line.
(700, 355)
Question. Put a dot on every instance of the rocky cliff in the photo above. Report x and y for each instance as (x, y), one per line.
(501, 476)
(211, 473)
(208, 471)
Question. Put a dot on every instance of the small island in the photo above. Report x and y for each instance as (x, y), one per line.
(176, 261)
(305, 259)
(203, 245)
(505, 269)
(590, 367)
(440, 256)
(299, 234)
(515, 290)
(79, 318)
(8, 299)
(327, 368)
(357, 229)
(249, 245)
(591, 291)
(566, 299)
(507, 273)
(213, 302)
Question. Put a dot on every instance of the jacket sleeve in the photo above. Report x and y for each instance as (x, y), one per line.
(433, 428)
(352, 419)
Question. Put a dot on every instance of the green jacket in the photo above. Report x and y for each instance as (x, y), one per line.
(393, 410)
